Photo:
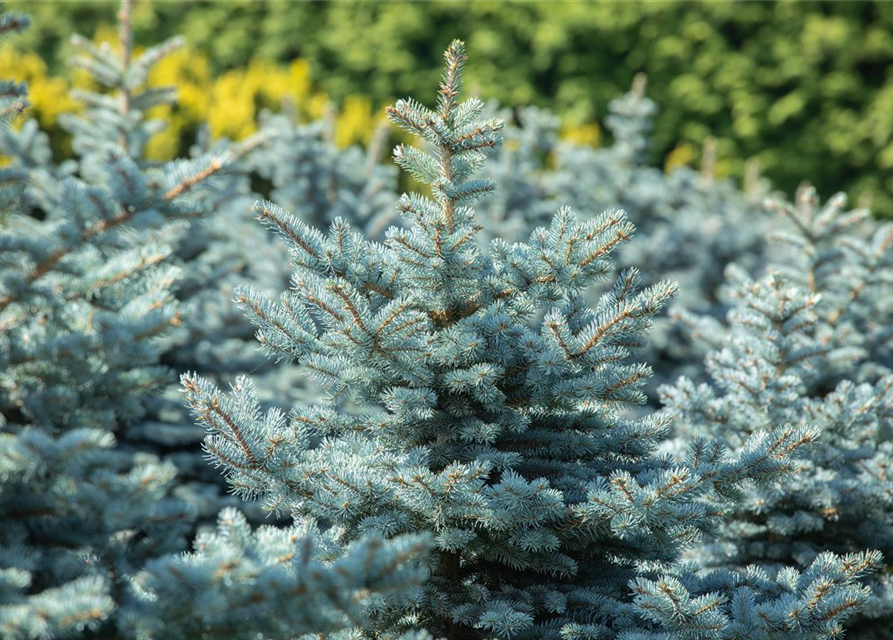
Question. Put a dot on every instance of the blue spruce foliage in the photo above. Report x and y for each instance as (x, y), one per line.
(91, 533)
(846, 256)
(499, 422)
(273, 583)
(83, 308)
(690, 225)
(448, 413)
(805, 345)
(109, 138)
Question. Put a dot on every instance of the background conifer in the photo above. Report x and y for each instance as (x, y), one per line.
(805, 344)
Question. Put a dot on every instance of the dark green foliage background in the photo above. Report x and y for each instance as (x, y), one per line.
(806, 87)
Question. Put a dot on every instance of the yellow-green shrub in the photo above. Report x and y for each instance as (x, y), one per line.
(229, 103)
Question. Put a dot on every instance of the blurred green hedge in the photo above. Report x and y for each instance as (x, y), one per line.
(805, 87)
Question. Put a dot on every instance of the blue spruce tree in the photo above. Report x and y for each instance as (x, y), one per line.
(82, 309)
(499, 423)
(90, 535)
(113, 127)
(846, 256)
(211, 249)
(806, 345)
